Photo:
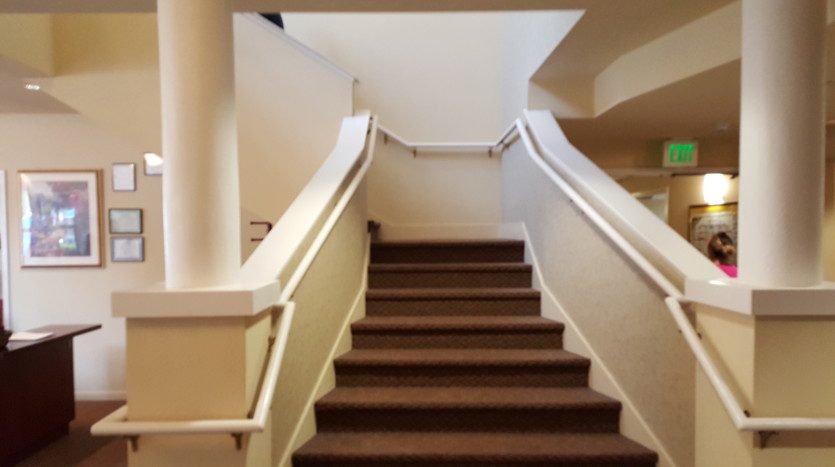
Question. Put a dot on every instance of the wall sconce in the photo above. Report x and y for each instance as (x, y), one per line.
(714, 188)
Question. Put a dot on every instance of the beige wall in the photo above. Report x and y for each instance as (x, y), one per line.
(433, 189)
(614, 154)
(290, 106)
(684, 191)
(528, 39)
(430, 77)
(611, 310)
(326, 300)
(66, 295)
(760, 360)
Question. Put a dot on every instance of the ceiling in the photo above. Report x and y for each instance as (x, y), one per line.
(611, 28)
(100, 6)
(694, 107)
(16, 99)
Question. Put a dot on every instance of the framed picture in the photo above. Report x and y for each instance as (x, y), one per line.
(124, 176)
(127, 249)
(125, 221)
(705, 221)
(153, 163)
(60, 218)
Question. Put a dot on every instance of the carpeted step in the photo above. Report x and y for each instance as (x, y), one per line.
(472, 450)
(410, 332)
(482, 409)
(452, 251)
(461, 367)
(449, 275)
(422, 302)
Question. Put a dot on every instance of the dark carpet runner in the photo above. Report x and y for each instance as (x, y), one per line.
(454, 366)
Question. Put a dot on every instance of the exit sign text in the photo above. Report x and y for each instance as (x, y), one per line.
(681, 154)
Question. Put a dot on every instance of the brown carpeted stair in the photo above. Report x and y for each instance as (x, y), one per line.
(454, 366)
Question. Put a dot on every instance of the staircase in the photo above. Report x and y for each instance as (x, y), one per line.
(454, 366)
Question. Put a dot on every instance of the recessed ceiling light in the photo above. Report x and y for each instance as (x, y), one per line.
(33, 87)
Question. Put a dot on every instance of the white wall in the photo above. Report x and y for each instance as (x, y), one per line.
(529, 37)
(428, 76)
(64, 295)
(433, 189)
(613, 313)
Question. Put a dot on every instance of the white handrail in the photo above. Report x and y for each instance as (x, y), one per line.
(674, 301)
(452, 147)
(598, 220)
(117, 423)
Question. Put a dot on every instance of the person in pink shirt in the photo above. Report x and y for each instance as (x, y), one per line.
(721, 250)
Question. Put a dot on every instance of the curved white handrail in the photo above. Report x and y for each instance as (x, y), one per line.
(118, 424)
(674, 303)
(677, 258)
(275, 254)
(489, 147)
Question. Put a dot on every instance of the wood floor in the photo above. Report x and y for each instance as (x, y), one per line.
(79, 448)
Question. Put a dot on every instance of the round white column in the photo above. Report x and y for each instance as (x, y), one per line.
(782, 142)
(201, 208)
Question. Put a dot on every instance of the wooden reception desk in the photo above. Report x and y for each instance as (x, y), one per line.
(37, 393)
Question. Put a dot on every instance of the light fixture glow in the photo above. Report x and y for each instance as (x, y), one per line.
(153, 163)
(33, 87)
(153, 160)
(714, 188)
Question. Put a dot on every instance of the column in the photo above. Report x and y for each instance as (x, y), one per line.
(201, 207)
(782, 142)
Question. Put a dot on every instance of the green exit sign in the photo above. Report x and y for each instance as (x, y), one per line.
(681, 154)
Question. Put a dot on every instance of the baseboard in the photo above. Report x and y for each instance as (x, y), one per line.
(100, 396)
(392, 231)
(345, 329)
(633, 425)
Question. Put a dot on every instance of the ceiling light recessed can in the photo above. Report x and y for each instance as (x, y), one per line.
(33, 87)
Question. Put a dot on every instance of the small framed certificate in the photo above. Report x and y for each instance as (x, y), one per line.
(127, 249)
(125, 221)
(124, 176)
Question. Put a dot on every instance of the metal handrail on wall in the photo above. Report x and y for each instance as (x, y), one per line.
(490, 148)
(118, 424)
(765, 427)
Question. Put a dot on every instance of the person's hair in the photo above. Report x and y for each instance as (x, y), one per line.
(721, 248)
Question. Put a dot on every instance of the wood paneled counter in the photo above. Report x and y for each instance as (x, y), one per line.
(37, 391)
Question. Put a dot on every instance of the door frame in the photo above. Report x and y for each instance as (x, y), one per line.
(4, 252)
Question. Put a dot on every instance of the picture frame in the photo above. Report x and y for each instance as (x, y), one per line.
(124, 221)
(60, 223)
(704, 221)
(127, 249)
(124, 176)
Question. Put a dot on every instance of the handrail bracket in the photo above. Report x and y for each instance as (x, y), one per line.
(133, 441)
(764, 436)
(239, 441)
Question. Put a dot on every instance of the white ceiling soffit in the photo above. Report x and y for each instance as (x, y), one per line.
(127, 6)
(702, 105)
(610, 28)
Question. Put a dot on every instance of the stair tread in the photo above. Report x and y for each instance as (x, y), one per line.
(465, 397)
(472, 446)
(450, 267)
(456, 323)
(452, 243)
(461, 357)
(452, 294)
